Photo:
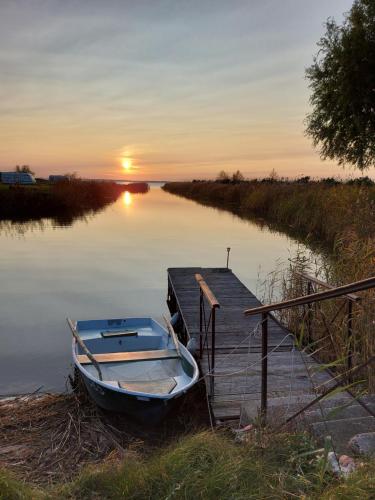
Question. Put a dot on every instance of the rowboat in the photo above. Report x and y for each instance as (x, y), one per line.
(132, 365)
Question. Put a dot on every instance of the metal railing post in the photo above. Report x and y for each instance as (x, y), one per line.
(200, 324)
(213, 335)
(263, 401)
(309, 314)
(228, 252)
(350, 338)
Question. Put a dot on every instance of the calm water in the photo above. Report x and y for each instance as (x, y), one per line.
(112, 265)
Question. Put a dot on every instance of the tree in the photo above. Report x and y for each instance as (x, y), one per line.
(238, 177)
(25, 169)
(342, 80)
(223, 177)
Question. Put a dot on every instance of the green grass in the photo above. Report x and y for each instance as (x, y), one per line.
(12, 489)
(210, 465)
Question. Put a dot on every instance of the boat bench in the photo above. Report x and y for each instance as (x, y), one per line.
(117, 357)
(160, 386)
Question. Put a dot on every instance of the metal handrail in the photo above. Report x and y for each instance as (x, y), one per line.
(351, 300)
(339, 291)
(323, 284)
(331, 293)
(205, 291)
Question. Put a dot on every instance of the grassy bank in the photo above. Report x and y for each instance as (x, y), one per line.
(62, 201)
(210, 465)
(63, 446)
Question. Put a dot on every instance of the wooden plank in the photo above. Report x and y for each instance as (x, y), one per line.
(161, 386)
(173, 334)
(116, 357)
(206, 291)
(238, 343)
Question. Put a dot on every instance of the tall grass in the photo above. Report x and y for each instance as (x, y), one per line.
(337, 218)
(325, 327)
(314, 211)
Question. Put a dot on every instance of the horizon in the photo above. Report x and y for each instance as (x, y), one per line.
(157, 90)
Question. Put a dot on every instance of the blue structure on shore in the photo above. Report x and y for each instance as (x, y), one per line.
(17, 178)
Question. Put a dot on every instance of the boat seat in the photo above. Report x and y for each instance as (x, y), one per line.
(117, 357)
(161, 386)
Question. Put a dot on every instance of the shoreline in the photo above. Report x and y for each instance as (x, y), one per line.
(62, 201)
(315, 212)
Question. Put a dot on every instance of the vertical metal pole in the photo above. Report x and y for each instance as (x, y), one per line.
(169, 292)
(228, 251)
(213, 333)
(350, 338)
(309, 314)
(263, 401)
(200, 323)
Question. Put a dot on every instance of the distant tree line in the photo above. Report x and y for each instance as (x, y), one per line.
(273, 178)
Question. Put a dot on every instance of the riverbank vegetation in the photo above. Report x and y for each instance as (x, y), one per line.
(73, 450)
(338, 220)
(320, 212)
(62, 201)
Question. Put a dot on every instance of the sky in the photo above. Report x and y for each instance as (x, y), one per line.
(169, 89)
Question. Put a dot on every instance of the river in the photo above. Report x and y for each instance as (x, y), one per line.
(111, 265)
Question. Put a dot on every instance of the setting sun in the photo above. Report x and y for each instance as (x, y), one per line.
(126, 163)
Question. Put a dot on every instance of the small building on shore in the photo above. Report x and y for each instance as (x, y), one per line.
(17, 178)
(58, 178)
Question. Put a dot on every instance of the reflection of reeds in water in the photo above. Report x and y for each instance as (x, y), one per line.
(62, 202)
(315, 212)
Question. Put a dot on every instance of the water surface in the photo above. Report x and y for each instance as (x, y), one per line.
(110, 265)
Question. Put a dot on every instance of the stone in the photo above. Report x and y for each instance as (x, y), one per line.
(347, 465)
(342, 431)
(363, 444)
(345, 460)
(342, 467)
(333, 463)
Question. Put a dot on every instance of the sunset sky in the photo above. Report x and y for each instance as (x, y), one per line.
(172, 89)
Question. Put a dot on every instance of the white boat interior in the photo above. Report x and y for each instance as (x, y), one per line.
(136, 355)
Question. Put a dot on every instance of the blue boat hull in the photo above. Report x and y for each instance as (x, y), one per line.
(150, 410)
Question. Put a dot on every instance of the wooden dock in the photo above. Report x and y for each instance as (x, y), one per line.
(237, 380)
(253, 367)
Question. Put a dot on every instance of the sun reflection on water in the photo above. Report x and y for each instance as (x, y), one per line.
(127, 198)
